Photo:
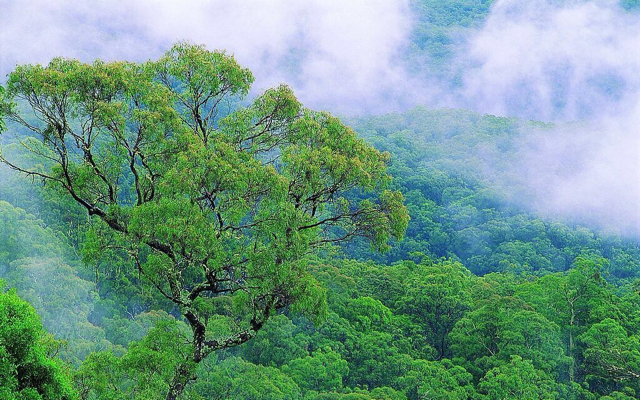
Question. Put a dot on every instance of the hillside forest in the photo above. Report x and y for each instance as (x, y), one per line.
(166, 233)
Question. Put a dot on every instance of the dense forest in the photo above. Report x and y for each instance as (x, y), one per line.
(166, 234)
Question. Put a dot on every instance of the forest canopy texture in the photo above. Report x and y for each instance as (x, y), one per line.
(168, 232)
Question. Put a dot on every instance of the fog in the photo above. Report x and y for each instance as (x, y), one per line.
(550, 60)
(575, 61)
(337, 55)
(545, 60)
(537, 59)
(586, 172)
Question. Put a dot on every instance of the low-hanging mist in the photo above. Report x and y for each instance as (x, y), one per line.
(543, 59)
(553, 60)
(563, 61)
(337, 55)
(584, 172)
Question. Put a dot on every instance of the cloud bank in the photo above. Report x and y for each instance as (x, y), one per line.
(563, 61)
(584, 172)
(336, 54)
(539, 59)
(552, 60)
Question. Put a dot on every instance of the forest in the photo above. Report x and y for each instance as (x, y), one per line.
(170, 231)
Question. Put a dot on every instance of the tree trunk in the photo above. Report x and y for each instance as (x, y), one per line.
(572, 362)
(180, 380)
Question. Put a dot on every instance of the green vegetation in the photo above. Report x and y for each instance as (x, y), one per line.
(217, 208)
(458, 172)
(439, 30)
(555, 316)
(27, 369)
(181, 241)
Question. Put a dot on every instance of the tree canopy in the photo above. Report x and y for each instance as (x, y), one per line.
(174, 230)
(27, 371)
(216, 204)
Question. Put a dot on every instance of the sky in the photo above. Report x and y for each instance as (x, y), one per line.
(551, 60)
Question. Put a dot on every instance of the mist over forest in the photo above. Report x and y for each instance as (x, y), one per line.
(320, 200)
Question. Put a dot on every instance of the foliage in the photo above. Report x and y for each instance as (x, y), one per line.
(418, 327)
(517, 380)
(217, 207)
(145, 371)
(458, 172)
(211, 216)
(26, 369)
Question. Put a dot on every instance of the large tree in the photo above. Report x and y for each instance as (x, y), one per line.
(216, 204)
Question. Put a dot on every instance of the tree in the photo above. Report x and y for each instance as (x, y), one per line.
(517, 380)
(381, 393)
(145, 371)
(581, 287)
(23, 235)
(275, 344)
(437, 380)
(26, 369)
(235, 378)
(324, 371)
(366, 314)
(611, 354)
(504, 327)
(569, 299)
(217, 207)
(2, 95)
(63, 300)
(437, 297)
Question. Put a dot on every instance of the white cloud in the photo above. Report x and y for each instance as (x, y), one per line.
(585, 172)
(562, 61)
(552, 60)
(542, 59)
(345, 49)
